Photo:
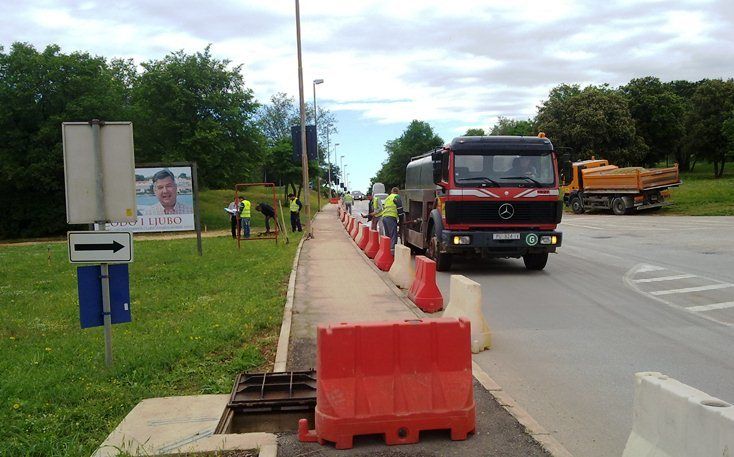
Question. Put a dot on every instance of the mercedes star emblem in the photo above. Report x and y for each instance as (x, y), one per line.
(506, 211)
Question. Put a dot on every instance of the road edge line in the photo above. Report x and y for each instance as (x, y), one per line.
(532, 427)
(281, 354)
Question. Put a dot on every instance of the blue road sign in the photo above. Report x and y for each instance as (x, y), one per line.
(90, 295)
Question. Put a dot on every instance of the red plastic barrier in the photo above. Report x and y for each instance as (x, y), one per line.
(355, 230)
(350, 225)
(384, 257)
(392, 378)
(347, 220)
(333, 201)
(424, 292)
(373, 245)
(365, 237)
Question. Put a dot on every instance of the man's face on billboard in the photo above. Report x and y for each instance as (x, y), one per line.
(165, 190)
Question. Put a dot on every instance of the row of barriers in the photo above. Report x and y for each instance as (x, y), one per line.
(394, 378)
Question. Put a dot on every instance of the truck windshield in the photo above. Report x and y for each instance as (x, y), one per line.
(508, 169)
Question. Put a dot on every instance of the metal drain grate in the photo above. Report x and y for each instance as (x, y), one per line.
(257, 395)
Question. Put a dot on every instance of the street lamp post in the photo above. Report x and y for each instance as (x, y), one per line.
(328, 157)
(318, 160)
(341, 167)
(304, 154)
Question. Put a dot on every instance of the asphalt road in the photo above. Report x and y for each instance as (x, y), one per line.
(623, 294)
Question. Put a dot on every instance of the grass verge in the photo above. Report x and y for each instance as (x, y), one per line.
(703, 195)
(197, 321)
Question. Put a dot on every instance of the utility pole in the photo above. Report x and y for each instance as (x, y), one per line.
(304, 153)
(318, 159)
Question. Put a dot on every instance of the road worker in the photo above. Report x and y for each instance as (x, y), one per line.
(348, 201)
(245, 214)
(392, 211)
(295, 207)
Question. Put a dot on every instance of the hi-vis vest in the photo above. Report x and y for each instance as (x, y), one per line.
(348, 198)
(389, 208)
(294, 206)
(245, 208)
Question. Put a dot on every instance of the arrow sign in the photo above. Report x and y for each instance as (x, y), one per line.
(100, 247)
(114, 247)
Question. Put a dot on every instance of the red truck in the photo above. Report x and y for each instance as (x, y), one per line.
(487, 196)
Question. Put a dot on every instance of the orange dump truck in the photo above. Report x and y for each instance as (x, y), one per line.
(594, 184)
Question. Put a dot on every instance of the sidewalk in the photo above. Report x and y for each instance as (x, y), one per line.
(335, 282)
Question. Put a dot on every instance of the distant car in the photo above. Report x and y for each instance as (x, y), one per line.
(357, 195)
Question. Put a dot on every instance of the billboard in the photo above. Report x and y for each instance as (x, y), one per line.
(165, 200)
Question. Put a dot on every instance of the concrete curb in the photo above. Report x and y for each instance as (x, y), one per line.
(534, 429)
(281, 355)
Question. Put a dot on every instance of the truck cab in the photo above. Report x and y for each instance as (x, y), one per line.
(491, 196)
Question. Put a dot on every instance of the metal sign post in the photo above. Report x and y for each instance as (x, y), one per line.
(106, 314)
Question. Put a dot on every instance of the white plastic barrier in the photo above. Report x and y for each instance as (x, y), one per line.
(359, 233)
(672, 419)
(466, 301)
(402, 271)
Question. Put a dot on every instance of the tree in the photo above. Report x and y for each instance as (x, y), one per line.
(595, 121)
(193, 108)
(39, 91)
(727, 129)
(276, 118)
(706, 126)
(659, 114)
(505, 126)
(475, 132)
(417, 139)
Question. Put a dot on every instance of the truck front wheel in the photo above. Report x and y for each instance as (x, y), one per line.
(443, 260)
(577, 206)
(535, 261)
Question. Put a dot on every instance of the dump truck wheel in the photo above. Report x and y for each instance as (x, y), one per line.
(443, 260)
(577, 206)
(618, 206)
(535, 261)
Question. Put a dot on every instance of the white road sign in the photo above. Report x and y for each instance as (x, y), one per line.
(100, 247)
(100, 186)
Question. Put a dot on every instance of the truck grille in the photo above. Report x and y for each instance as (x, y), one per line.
(489, 212)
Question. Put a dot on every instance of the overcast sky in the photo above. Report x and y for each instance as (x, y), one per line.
(455, 64)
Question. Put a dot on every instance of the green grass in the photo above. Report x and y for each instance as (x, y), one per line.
(703, 195)
(197, 321)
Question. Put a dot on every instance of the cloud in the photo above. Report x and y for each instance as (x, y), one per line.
(463, 61)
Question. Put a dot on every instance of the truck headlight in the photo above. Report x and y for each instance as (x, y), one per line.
(462, 240)
(548, 239)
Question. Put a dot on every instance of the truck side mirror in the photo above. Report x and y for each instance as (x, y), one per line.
(436, 157)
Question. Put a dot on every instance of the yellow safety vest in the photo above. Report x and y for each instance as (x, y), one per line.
(389, 208)
(348, 198)
(245, 208)
(294, 206)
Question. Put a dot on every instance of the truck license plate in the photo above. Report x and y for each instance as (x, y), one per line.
(506, 236)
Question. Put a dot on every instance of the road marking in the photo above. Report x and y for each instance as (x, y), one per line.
(645, 268)
(711, 307)
(692, 289)
(664, 278)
